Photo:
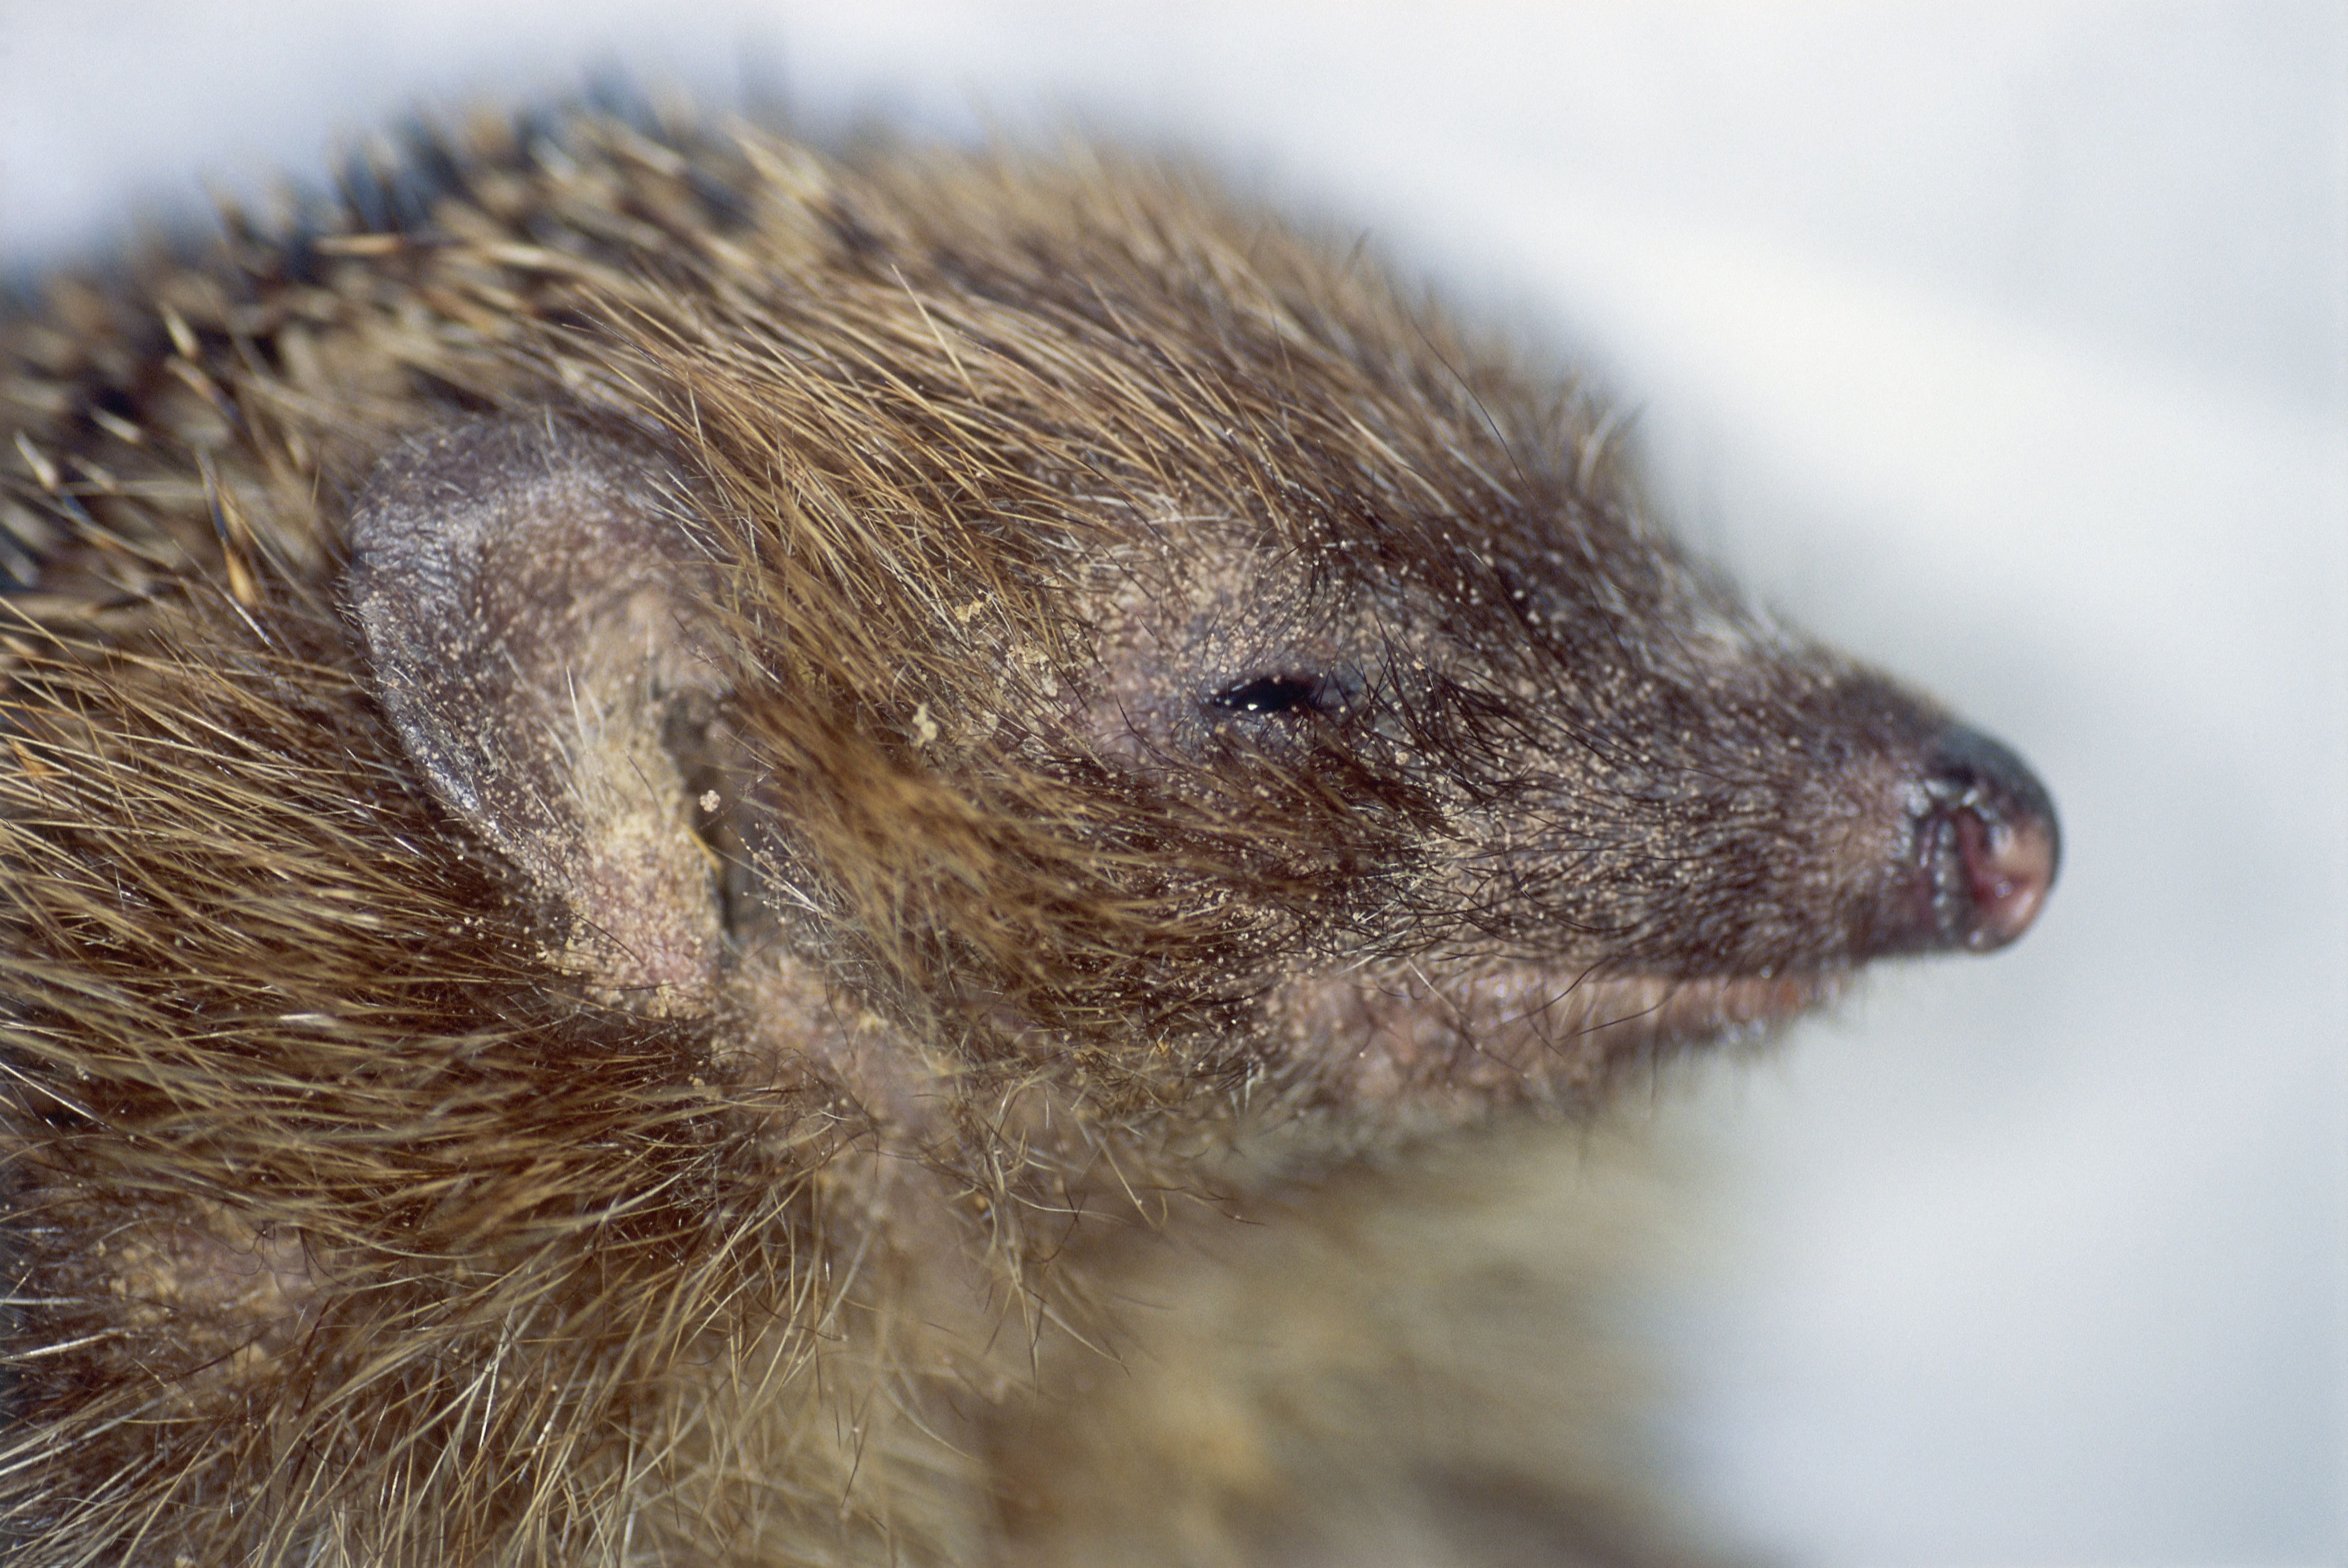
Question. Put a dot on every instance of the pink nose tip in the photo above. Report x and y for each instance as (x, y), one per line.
(1987, 842)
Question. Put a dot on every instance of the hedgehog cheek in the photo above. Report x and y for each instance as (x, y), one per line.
(528, 592)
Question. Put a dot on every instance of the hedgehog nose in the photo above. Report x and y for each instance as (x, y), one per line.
(1986, 842)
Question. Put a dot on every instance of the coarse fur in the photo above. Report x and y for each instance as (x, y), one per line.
(714, 855)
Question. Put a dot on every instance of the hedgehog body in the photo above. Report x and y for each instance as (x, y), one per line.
(715, 856)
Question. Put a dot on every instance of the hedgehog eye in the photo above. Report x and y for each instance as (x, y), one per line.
(1272, 694)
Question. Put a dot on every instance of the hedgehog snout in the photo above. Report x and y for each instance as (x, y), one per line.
(1986, 843)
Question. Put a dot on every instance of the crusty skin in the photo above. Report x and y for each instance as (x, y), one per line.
(709, 852)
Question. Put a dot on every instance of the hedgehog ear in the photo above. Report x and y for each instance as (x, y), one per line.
(533, 606)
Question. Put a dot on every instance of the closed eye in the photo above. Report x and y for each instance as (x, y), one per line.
(1272, 694)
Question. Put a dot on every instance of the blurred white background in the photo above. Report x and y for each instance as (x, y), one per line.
(2007, 345)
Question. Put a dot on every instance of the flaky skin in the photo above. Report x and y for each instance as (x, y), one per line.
(717, 856)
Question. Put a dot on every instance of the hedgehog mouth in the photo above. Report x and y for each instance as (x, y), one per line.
(1706, 1009)
(1520, 1030)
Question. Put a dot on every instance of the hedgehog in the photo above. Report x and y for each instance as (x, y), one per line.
(713, 853)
